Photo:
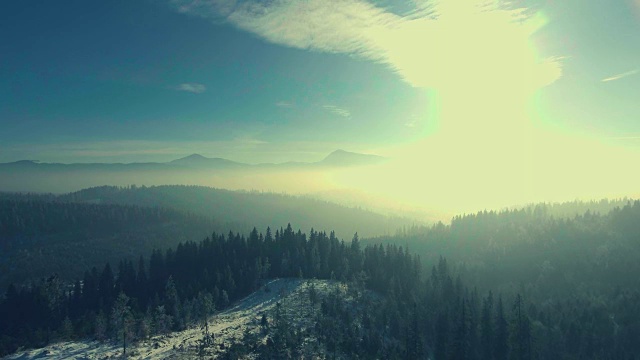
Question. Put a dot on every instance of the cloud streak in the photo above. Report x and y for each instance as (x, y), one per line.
(621, 76)
(426, 47)
(338, 111)
(194, 88)
(285, 104)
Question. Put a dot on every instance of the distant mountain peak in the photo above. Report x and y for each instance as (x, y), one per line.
(341, 152)
(25, 162)
(342, 157)
(192, 157)
(197, 160)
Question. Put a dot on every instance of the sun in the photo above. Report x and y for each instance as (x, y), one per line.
(481, 73)
(482, 69)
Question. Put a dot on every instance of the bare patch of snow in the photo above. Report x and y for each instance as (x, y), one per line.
(228, 327)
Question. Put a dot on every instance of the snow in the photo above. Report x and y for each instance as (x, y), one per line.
(228, 326)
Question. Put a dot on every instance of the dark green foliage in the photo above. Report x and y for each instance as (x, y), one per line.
(501, 344)
(582, 306)
(577, 272)
(487, 328)
(243, 210)
(43, 235)
(122, 322)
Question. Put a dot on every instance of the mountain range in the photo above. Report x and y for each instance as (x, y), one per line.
(338, 158)
(195, 169)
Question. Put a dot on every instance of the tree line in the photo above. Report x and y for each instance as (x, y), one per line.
(440, 311)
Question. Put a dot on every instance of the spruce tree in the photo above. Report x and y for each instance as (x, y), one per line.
(501, 342)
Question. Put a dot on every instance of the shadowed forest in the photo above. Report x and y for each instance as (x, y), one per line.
(532, 283)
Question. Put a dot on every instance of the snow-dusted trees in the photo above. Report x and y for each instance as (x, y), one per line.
(205, 308)
(162, 322)
(122, 321)
(449, 320)
(172, 303)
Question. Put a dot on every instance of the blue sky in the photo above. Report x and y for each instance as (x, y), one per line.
(280, 80)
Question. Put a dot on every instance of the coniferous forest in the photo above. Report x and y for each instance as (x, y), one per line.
(320, 180)
(519, 284)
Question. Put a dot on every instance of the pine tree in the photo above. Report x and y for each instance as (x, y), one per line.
(172, 303)
(106, 287)
(162, 321)
(460, 346)
(205, 309)
(280, 335)
(520, 332)
(67, 331)
(501, 345)
(121, 319)
(486, 328)
(100, 327)
(224, 299)
(141, 284)
(442, 336)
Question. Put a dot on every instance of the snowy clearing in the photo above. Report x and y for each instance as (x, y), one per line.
(228, 327)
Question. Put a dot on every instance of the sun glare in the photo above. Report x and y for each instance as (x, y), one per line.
(483, 69)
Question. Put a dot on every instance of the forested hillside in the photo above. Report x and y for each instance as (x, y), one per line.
(516, 285)
(245, 210)
(41, 235)
(533, 249)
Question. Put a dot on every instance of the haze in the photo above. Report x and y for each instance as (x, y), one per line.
(320, 179)
(474, 104)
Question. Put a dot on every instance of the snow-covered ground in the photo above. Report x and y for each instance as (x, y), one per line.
(228, 326)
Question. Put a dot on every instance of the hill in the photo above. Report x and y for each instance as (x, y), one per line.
(517, 284)
(546, 246)
(42, 235)
(347, 158)
(239, 325)
(245, 210)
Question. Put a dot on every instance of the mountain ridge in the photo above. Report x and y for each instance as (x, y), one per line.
(338, 157)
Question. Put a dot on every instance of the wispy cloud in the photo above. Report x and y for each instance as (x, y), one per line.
(338, 111)
(620, 76)
(285, 104)
(416, 45)
(192, 88)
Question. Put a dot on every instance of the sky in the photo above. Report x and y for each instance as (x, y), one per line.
(434, 83)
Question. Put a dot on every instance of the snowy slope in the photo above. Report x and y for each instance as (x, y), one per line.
(228, 327)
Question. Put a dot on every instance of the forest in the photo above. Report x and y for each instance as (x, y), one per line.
(69, 233)
(40, 235)
(516, 284)
(237, 210)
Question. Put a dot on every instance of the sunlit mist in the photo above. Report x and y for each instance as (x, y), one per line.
(490, 147)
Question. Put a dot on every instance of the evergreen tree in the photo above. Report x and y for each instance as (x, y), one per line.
(101, 327)
(161, 320)
(172, 303)
(461, 346)
(205, 310)
(106, 287)
(121, 318)
(486, 328)
(442, 337)
(520, 332)
(501, 342)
